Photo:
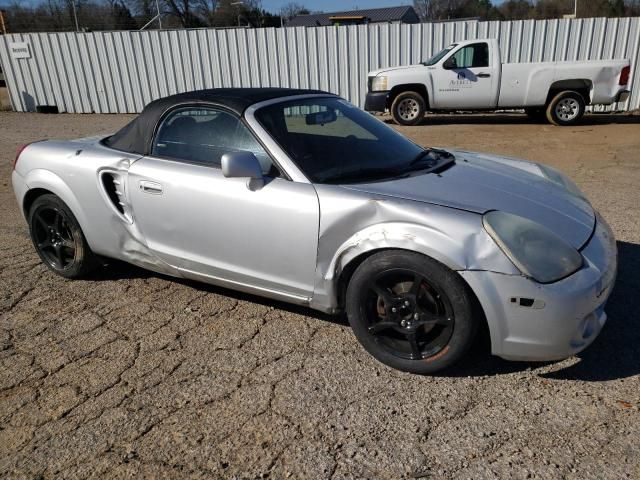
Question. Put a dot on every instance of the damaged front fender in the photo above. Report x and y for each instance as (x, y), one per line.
(353, 224)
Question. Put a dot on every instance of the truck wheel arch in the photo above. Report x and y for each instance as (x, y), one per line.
(582, 86)
(408, 87)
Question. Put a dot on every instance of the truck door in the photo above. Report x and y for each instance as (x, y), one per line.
(468, 78)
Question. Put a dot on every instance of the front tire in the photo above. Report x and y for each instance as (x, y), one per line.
(410, 312)
(408, 108)
(566, 108)
(58, 239)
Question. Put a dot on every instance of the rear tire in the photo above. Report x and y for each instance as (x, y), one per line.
(566, 108)
(58, 239)
(408, 108)
(411, 312)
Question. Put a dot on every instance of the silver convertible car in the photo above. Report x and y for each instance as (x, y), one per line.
(299, 196)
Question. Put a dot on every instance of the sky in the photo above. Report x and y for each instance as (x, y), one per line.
(337, 5)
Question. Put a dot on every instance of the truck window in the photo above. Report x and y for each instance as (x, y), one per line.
(438, 56)
(475, 55)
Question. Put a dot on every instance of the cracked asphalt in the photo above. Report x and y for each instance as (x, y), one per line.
(133, 374)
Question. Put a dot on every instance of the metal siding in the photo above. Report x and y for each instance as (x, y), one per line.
(120, 72)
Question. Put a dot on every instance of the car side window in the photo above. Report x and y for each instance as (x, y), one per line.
(202, 135)
(472, 56)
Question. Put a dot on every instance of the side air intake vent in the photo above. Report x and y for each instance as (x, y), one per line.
(114, 187)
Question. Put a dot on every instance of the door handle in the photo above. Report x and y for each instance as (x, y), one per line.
(483, 75)
(150, 187)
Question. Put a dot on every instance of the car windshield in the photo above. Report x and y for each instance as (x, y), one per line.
(332, 141)
(438, 56)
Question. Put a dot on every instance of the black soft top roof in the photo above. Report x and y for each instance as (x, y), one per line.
(135, 137)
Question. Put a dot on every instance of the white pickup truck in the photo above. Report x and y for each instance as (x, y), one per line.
(470, 76)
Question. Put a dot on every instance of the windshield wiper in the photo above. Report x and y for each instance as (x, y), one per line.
(363, 175)
(430, 159)
(436, 159)
(418, 158)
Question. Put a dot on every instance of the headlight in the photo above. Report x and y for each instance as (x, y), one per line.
(535, 250)
(561, 179)
(379, 84)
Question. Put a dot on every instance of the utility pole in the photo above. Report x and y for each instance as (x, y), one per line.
(238, 4)
(75, 16)
(159, 16)
(2, 25)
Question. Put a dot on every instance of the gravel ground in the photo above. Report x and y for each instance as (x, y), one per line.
(135, 374)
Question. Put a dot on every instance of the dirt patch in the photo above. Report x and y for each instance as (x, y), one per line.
(135, 374)
(5, 102)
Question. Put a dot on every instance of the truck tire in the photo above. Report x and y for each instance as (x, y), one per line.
(566, 108)
(408, 108)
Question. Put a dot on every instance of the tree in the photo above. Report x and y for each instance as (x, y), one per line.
(632, 8)
(142, 10)
(58, 15)
(430, 10)
(293, 9)
(269, 19)
(422, 9)
(553, 8)
(120, 17)
(185, 12)
(482, 9)
(231, 13)
(516, 9)
(207, 9)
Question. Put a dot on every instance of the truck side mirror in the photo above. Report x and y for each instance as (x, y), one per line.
(450, 63)
(243, 165)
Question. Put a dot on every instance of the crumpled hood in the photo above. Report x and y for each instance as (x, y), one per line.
(480, 183)
(374, 73)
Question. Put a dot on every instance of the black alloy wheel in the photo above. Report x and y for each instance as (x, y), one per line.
(53, 237)
(58, 239)
(410, 311)
(407, 315)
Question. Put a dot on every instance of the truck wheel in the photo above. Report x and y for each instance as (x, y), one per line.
(566, 108)
(410, 312)
(408, 108)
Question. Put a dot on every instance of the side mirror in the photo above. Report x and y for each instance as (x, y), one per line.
(243, 165)
(450, 63)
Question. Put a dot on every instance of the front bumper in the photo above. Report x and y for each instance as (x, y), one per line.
(376, 101)
(565, 317)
